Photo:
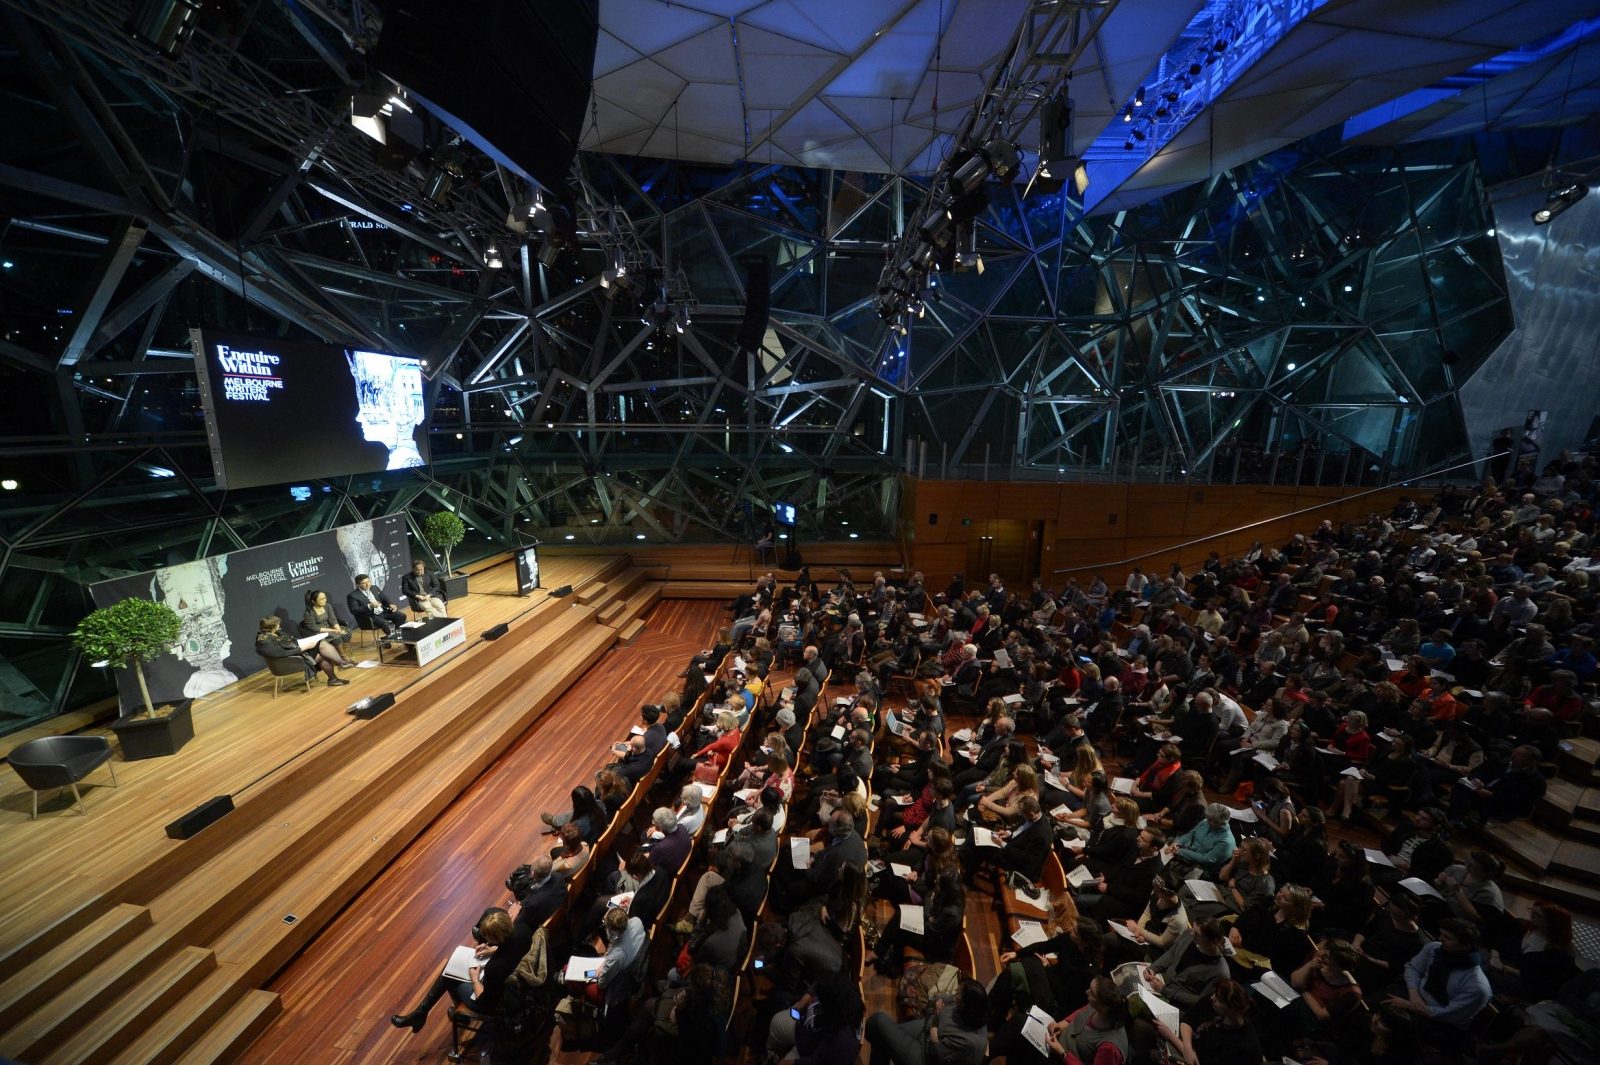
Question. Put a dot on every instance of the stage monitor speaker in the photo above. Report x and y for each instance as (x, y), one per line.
(496, 632)
(513, 76)
(371, 706)
(207, 813)
(757, 301)
(564, 590)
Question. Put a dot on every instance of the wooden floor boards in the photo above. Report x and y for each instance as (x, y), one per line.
(381, 952)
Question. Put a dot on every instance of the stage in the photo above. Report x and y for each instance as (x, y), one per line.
(104, 904)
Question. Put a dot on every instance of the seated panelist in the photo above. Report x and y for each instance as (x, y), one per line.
(314, 653)
(424, 590)
(320, 620)
(367, 601)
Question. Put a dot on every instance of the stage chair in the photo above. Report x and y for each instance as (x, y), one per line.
(367, 624)
(60, 762)
(283, 669)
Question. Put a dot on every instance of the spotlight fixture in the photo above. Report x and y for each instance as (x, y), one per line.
(1138, 97)
(165, 25)
(1559, 200)
(369, 112)
(1127, 113)
(449, 167)
(492, 258)
(1004, 158)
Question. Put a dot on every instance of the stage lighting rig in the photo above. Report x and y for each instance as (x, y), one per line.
(165, 25)
(1559, 200)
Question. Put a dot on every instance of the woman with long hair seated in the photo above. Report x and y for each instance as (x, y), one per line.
(320, 620)
(586, 812)
(273, 642)
(943, 915)
(1226, 1039)
(1005, 804)
(1280, 934)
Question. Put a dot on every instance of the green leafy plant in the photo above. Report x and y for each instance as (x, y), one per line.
(444, 530)
(132, 632)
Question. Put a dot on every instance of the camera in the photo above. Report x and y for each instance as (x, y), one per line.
(518, 883)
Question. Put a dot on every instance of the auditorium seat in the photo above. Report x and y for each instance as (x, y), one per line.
(60, 762)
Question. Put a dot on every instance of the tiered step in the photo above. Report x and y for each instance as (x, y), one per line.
(234, 1030)
(1546, 863)
(630, 632)
(132, 985)
(593, 592)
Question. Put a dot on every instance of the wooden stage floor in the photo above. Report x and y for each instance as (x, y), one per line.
(242, 734)
(377, 956)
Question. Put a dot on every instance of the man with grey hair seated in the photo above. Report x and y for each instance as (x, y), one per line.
(691, 811)
(670, 851)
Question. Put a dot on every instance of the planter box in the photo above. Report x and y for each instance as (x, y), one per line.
(155, 737)
(455, 587)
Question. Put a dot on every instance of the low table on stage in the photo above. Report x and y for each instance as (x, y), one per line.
(429, 639)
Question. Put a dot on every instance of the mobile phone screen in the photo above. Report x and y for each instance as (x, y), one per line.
(590, 974)
(759, 963)
(795, 1014)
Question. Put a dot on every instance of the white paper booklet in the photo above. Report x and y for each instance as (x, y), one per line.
(462, 959)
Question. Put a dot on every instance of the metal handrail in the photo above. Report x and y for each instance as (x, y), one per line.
(1280, 517)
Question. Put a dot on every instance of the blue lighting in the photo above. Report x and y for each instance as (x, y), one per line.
(8, 264)
(1223, 40)
(1472, 78)
(300, 493)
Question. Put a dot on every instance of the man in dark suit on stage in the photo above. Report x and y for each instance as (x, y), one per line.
(366, 601)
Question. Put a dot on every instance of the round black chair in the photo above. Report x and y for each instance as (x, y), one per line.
(60, 762)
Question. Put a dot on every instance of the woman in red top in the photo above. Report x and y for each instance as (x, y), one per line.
(1352, 737)
(721, 749)
(1149, 784)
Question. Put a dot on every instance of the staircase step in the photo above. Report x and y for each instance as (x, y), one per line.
(613, 611)
(1588, 807)
(115, 1025)
(54, 1018)
(1560, 802)
(171, 1034)
(1580, 892)
(1574, 857)
(630, 632)
(1579, 759)
(244, 1022)
(1527, 844)
(69, 960)
(591, 592)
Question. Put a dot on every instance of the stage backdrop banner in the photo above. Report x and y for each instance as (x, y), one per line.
(222, 600)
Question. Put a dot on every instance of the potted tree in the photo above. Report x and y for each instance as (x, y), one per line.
(443, 530)
(131, 633)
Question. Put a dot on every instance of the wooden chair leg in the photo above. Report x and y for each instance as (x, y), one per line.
(78, 800)
(35, 816)
(276, 681)
(113, 770)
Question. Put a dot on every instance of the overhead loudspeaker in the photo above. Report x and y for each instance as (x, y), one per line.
(558, 593)
(757, 301)
(496, 632)
(207, 813)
